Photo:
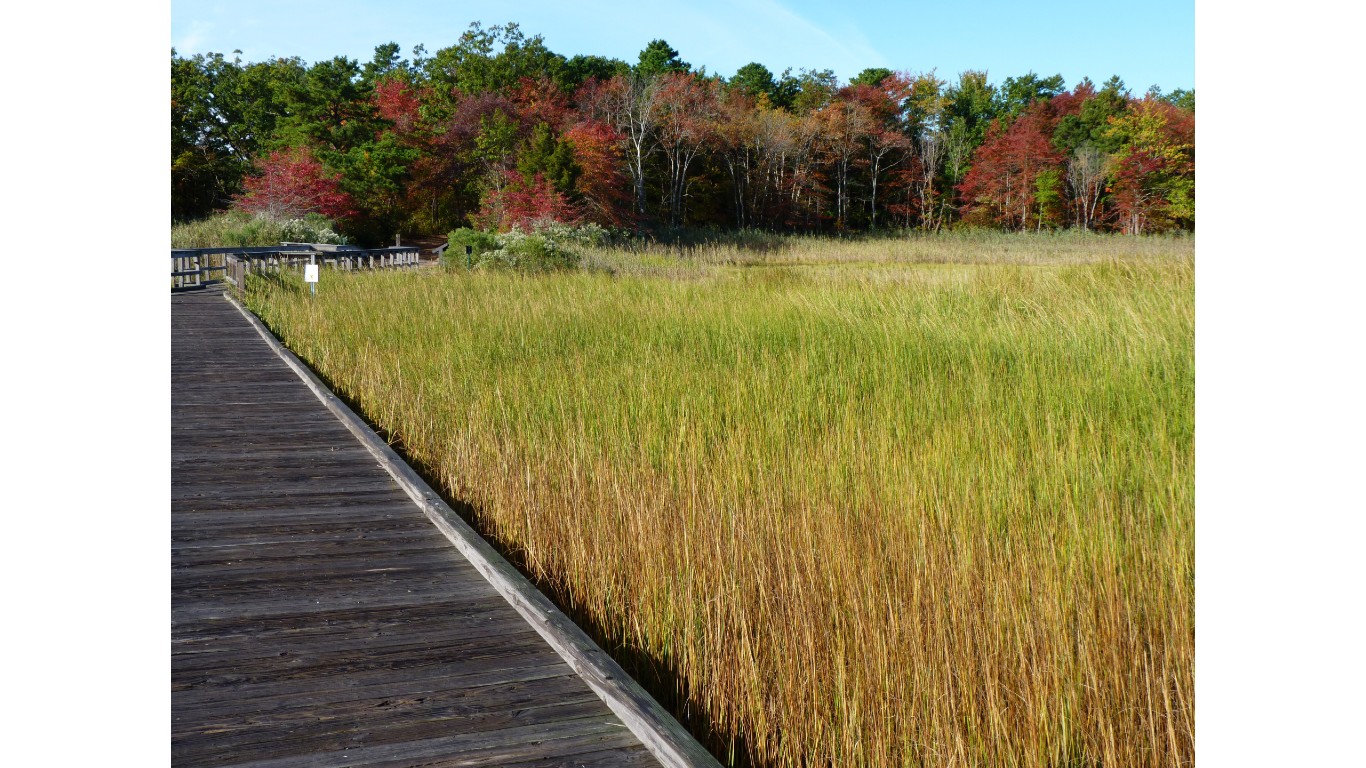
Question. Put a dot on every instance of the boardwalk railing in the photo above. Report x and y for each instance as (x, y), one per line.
(200, 267)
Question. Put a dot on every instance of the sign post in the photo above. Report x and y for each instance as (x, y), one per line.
(311, 276)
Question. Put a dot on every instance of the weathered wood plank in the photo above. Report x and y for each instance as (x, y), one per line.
(475, 619)
(612, 758)
(208, 529)
(207, 501)
(398, 705)
(477, 748)
(441, 675)
(419, 673)
(327, 541)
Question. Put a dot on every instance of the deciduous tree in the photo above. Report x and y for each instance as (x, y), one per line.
(602, 184)
(292, 183)
(688, 112)
(630, 105)
(1086, 177)
(523, 203)
(1153, 173)
(424, 145)
(844, 125)
(1002, 186)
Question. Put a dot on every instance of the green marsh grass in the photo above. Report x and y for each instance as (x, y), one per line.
(922, 503)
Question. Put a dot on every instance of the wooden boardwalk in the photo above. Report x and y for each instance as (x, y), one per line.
(319, 618)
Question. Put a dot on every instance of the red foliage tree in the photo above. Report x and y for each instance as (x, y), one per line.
(602, 183)
(844, 126)
(399, 104)
(524, 204)
(540, 100)
(292, 183)
(887, 143)
(1002, 185)
(447, 174)
(1139, 202)
(1071, 102)
(911, 197)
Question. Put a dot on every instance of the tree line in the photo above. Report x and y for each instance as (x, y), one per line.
(498, 131)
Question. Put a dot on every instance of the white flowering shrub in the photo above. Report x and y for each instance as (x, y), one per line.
(588, 235)
(527, 252)
(542, 247)
(310, 229)
(239, 228)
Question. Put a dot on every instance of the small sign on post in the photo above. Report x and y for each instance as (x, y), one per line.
(311, 277)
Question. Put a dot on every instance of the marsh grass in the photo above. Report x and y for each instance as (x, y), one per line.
(753, 249)
(918, 504)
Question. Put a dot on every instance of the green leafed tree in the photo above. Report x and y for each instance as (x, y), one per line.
(579, 69)
(754, 79)
(815, 89)
(330, 109)
(871, 76)
(387, 62)
(785, 89)
(222, 115)
(493, 59)
(969, 107)
(376, 175)
(1017, 93)
(204, 172)
(1181, 99)
(972, 104)
(659, 58)
(1091, 125)
(550, 157)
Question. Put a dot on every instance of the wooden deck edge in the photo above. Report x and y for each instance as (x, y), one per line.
(664, 736)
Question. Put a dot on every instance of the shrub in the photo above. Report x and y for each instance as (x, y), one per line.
(312, 228)
(241, 229)
(480, 242)
(588, 235)
(529, 253)
(547, 247)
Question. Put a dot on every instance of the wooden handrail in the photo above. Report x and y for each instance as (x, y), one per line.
(193, 267)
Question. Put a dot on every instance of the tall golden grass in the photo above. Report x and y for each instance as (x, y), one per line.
(890, 503)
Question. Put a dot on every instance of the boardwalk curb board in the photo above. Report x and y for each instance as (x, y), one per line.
(661, 734)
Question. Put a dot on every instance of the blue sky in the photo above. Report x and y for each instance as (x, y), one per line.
(1147, 46)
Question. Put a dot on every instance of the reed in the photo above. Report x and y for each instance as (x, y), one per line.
(905, 502)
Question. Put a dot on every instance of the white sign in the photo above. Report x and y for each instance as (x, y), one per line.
(310, 273)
